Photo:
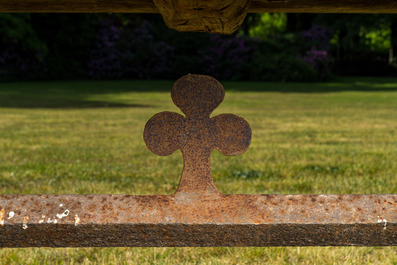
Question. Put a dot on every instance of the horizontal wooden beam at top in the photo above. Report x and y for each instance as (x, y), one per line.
(78, 6)
(323, 6)
(147, 6)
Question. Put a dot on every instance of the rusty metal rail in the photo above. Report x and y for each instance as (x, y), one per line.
(186, 220)
(197, 214)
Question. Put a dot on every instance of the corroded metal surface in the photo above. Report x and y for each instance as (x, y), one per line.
(197, 135)
(197, 214)
(215, 220)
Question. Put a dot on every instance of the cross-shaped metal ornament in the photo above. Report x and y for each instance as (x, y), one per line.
(197, 214)
(197, 135)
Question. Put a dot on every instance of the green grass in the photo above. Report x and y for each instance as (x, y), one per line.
(86, 137)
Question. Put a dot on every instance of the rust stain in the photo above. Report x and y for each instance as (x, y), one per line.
(76, 220)
(25, 222)
(2, 217)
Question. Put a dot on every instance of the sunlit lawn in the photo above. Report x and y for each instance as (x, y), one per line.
(86, 137)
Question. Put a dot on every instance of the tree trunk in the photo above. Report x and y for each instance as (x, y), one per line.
(393, 39)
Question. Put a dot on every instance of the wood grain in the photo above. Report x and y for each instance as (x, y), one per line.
(147, 6)
(323, 6)
(77, 6)
(220, 16)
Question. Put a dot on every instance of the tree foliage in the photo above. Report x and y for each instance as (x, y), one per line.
(278, 47)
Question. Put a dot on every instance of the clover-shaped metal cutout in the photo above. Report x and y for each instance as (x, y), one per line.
(197, 135)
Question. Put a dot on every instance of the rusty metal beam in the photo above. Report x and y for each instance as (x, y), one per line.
(197, 214)
(185, 220)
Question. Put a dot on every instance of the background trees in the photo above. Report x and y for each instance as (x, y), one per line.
(278, 47)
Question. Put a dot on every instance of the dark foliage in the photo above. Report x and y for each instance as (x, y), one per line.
(22, 53)
(130, 46)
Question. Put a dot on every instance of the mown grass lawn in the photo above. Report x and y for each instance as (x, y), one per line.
(86, 137)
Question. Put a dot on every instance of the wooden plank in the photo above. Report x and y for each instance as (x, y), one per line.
(77, 6)
(323, 6)
(147, 6)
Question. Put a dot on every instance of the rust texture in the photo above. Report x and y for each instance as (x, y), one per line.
(197, 214)
(197, 135)
(225, 220)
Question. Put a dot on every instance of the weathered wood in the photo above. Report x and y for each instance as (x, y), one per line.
(323, 6)
(78, 6)
(148, 6)
(221, 16)
(214, 16)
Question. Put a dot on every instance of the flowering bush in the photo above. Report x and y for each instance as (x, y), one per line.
(318, 36)
(319, 60)
(128, 52)
(143, 55)
(317, 42)
(225, 56)
(18, 65)
(105, 56)
(128, 46)
(278, 60)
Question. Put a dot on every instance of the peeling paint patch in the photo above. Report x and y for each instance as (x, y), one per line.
(52, 221)
(64, 214)
(10, 215)
(42, 219)
(76, 220)
(384, 226)
(384, 221)
(25, 222)
(2, 217)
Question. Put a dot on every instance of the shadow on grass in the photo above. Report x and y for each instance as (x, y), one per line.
(78, 94)
(72, 94)
(337, 85)
(60, 103)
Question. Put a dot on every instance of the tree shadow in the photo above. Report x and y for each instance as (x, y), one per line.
(41, 103)
(82, 94)
(337, 85)
(73, 94)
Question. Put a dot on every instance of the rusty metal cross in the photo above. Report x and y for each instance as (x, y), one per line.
(197, 214)
(196, 135)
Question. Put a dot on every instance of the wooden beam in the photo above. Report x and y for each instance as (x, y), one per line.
(147, 6)
(323, 6)
(78, 6)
